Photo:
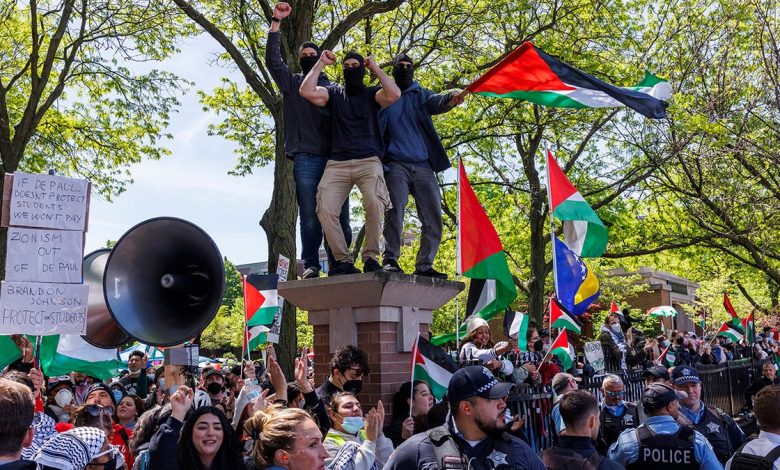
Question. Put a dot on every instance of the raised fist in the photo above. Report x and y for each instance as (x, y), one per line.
(282, 10)
(370, 64)
(328, 57)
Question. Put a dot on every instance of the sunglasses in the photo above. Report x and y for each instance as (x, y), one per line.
(97, 410)
(61, 378)
(616, 394)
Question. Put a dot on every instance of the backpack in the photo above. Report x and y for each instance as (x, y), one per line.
(742, 461)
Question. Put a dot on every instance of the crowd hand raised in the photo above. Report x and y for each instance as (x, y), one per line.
(328, 57)
(502, 347)
(302, 372)
(370, 64)
(277, 378)
(36, 377)
(407, 428)
(282, 10)
(458, 98)
(373, 428)
(261, 402)
(181, 401)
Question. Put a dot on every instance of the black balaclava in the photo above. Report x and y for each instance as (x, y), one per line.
(353, 77)
(307, 63)
(403, 76)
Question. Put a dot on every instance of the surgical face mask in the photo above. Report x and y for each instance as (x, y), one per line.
(63, 398)
(615, 327)
(354, 386)
(353, 424)
(667, 343)
(117, 395)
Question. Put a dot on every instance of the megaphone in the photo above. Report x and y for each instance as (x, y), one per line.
(162, 284)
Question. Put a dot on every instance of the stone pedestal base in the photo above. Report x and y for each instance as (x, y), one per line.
(380, 313)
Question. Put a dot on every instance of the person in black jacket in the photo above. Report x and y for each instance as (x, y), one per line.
(768, 377)
(306, 141)
(202, 440)
(575, 448)
(409, 419)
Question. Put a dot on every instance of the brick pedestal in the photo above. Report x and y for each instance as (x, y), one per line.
(380, 313)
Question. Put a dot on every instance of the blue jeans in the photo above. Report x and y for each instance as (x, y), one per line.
(307, 172)
(406, 179)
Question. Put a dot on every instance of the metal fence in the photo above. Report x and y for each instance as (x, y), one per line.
(723, 387)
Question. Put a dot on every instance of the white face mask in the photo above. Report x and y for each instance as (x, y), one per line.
(63, 398)
(615, 328)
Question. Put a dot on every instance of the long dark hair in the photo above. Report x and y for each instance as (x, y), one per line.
(400, 405)
(228, 456)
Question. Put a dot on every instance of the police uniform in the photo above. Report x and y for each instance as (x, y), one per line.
(661, 443)
(615, 422)
(720, 430)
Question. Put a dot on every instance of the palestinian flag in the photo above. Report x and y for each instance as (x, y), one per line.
(563, 350)
(776, 357)
(735, 320)
(516, 327)
(662, 311)
(9, 352)
(748, 326)
(63, 354)
(559, 318)
(527, 73)
(668, 356)
(432, 365)
(261, 305)
(614, 308)
(583, 231)
(481, 257)
(727, 330)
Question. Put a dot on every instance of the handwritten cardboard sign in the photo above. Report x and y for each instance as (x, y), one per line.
(44, 255)
(48, 201)
(595, 355)
(36, 308)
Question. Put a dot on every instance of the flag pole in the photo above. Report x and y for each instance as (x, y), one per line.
(245, 342)
(552, 226)
(458, 261)
(414, 356)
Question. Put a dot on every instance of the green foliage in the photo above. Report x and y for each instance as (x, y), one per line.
(234, 288)
(226, 331)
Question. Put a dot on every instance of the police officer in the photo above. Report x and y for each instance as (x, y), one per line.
(473, 435)
(654, 374)
(580, 412)
(660, 443)
(720, 429)
(616, 414)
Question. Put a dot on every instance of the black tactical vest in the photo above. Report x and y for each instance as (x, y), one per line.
(714, 429)
(612, 426)
(665, 451)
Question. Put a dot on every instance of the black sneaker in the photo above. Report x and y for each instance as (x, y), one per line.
(341, 268)
(391, 266)
(371, 265)
(312, 272)
(430, 272)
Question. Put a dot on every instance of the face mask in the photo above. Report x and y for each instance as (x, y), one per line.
(403, 77)
(615, 328)
(63, 398)
(117, 395)
(353, 79)
(307, 63)
(354, 386)
(538, 345)
(161, 383)
(667, 343)
(214, 388)
(353, 424)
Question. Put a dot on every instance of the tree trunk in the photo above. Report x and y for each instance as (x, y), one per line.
(278, 222)
(3, 233)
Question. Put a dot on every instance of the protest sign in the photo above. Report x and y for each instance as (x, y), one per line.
(282, 269)
(43, 255)
(595, 355)
(36, 308)
(47, 201)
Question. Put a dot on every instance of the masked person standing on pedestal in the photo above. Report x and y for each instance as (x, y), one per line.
(413, 156)
(355, 155)
(306, 140)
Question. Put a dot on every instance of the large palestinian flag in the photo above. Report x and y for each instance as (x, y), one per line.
(481, 257)
(529, 74)
(432, 365)
(261, 304)
(583, 231)
(516, 327)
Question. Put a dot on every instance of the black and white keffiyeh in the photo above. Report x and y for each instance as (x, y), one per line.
(71, 450)
(44, 430)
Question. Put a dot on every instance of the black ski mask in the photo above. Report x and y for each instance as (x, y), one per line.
(307, 63)
(353, 77)
(403, 74)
